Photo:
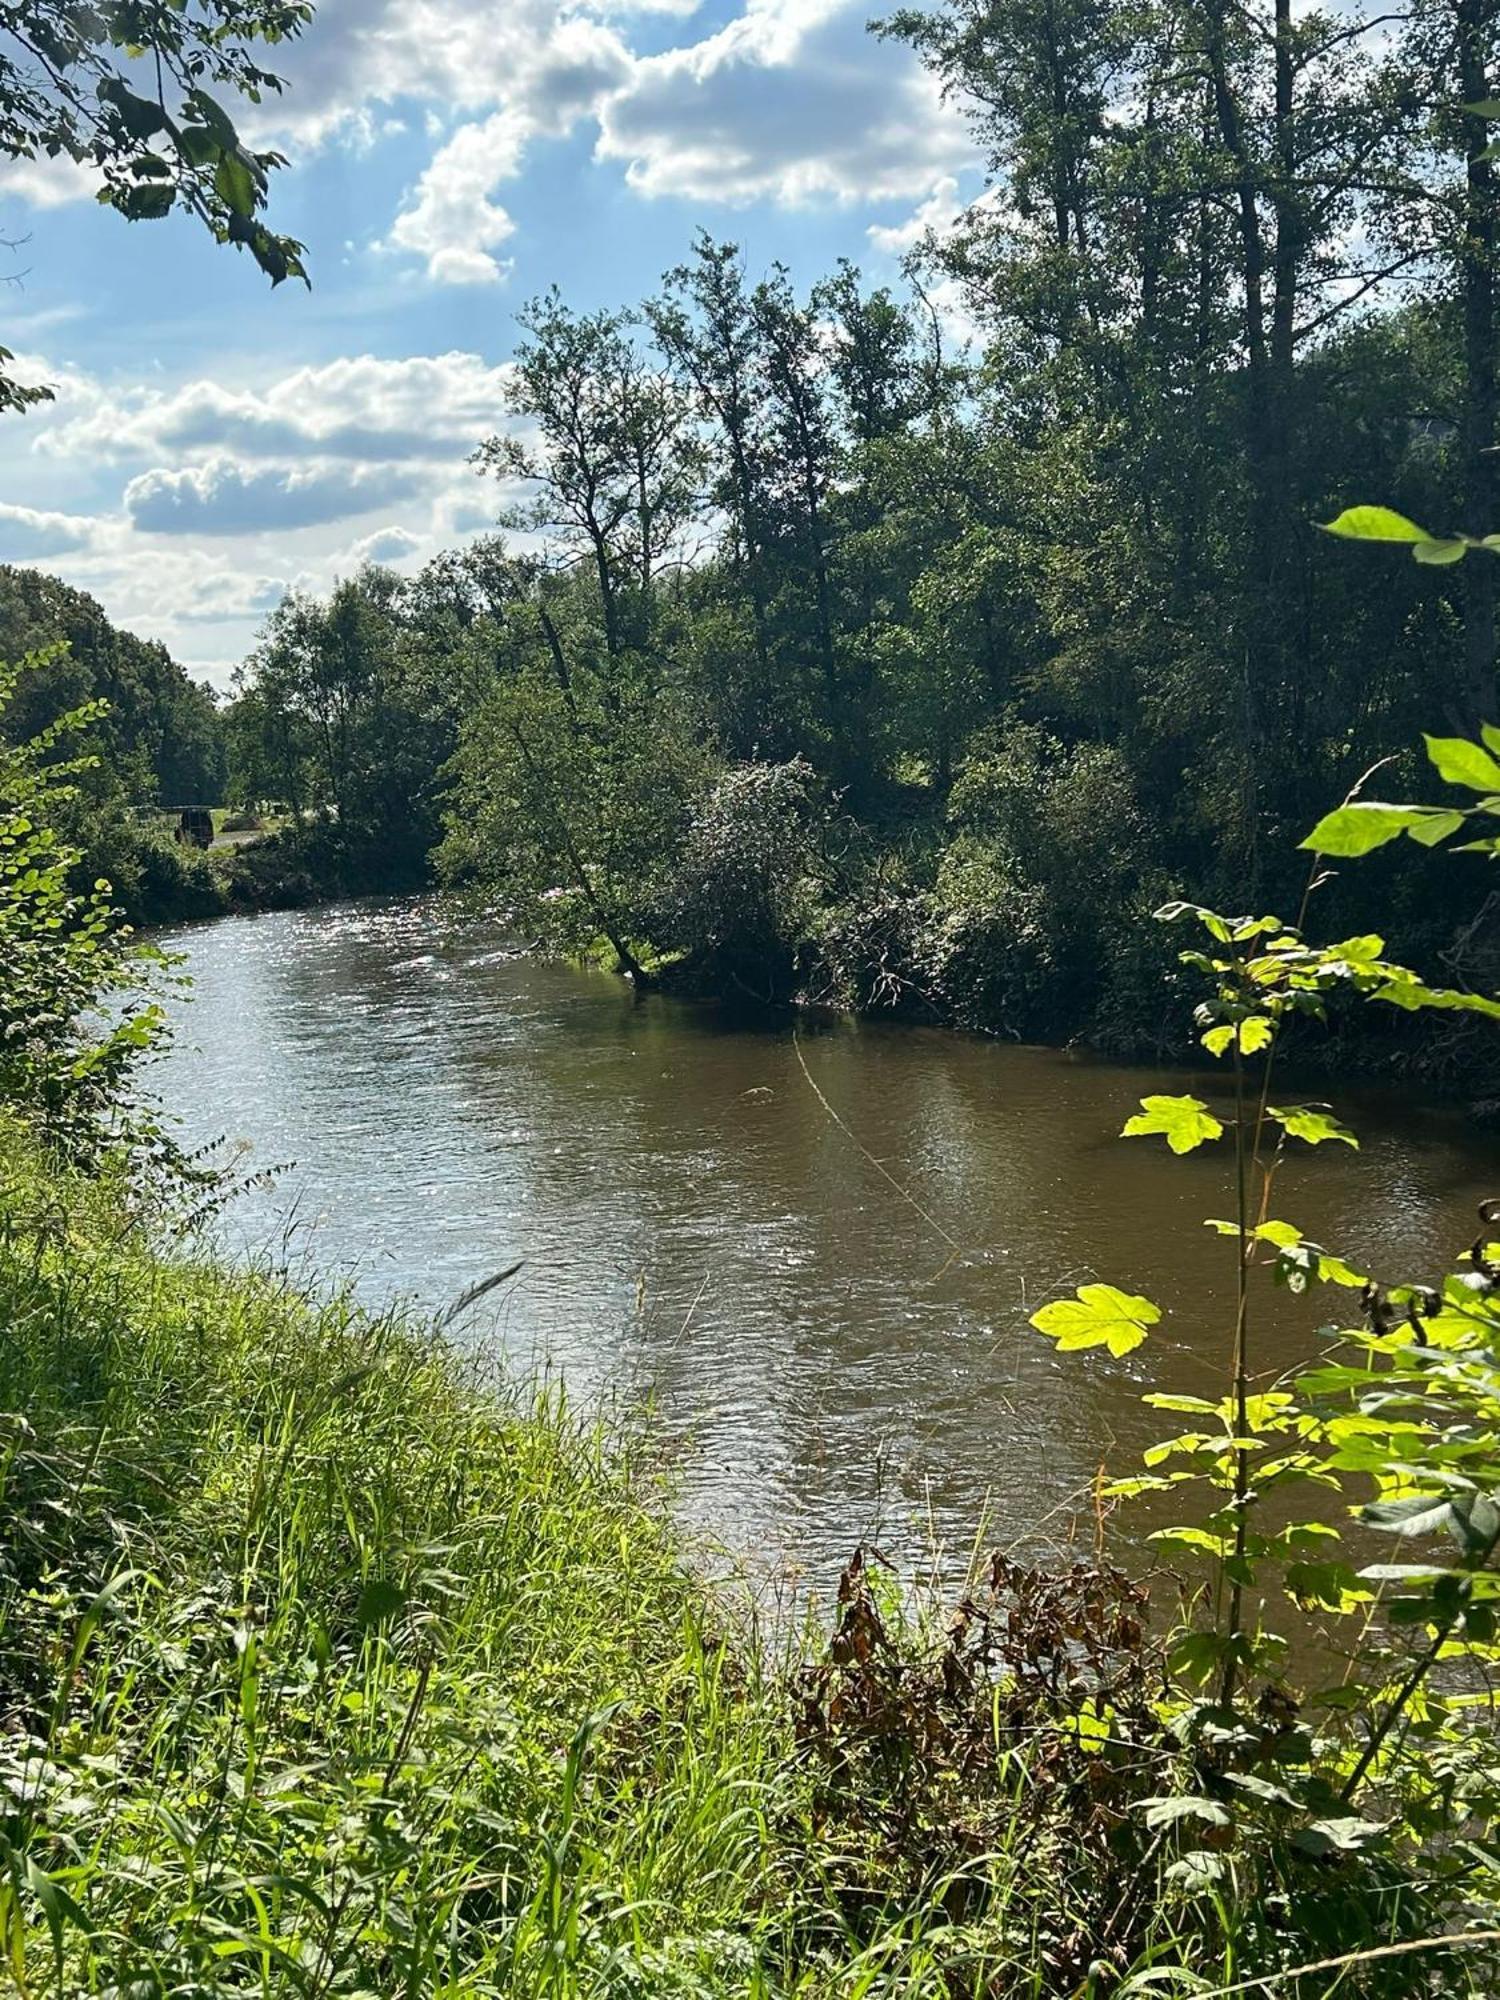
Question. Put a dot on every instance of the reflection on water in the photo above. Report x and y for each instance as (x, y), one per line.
(695, 1223)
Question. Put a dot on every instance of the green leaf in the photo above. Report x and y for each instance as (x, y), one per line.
(1196, 1871)
(197, 145)
(1484, 107)
(1260, 1788)
(1420, 1514)
(140, 116)
(1404, 1573)
(1435, 829)
(1172, 1811)
(1364, 825)
(1255, 1033)
(1337, 1836)
(1412, 994)
(1099, 1316)
(1476, 1522)
(215, 117)
(1461, 762)
(1451, 549)
(1375, 524)
(1305, 1121)
(149, 202)
(1184, 1122)
(235, 184)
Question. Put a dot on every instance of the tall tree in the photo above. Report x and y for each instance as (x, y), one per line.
(611, 457)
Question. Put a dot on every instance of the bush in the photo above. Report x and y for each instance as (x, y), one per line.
(742, 900)
(73, 1023)
(1045, 858)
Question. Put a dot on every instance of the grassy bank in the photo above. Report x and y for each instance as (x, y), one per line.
(323, 1672)
(328, 1669)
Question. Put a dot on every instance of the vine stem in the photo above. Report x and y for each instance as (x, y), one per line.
(1241, 1389)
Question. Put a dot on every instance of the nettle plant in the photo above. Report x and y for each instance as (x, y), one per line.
(1395, 1426)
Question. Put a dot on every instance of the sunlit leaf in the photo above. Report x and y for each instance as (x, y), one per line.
(1461, 762)
(1365, 824)
(1172, 1811)
(1375, 524)
(1255, 1033)
(1099, 1316)
(1184, 1122)
(1307, 1122)
(1419, 1514)
(1337, 1836)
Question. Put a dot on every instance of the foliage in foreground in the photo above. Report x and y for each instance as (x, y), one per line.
(327, 1668)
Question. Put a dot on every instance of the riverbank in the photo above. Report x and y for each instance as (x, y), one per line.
(158, 883)
(329, 1667)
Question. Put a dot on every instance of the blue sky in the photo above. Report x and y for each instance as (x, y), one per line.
(214, 443)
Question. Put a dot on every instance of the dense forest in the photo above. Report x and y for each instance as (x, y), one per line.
(904, 649)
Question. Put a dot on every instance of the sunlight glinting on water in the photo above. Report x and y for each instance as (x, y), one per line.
(694, 1226)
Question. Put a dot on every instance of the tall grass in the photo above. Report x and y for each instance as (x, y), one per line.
(327, 1669)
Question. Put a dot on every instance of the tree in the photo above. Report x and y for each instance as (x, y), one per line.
(615, 463)
(130, 90)
(347, 713)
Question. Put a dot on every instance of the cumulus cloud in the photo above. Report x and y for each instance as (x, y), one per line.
(450, 219)
(792, 101)
(30, 534)
(420, 406)
(223, 596)
(225, 498)
(386, 545)
(46, 183)
(935, 216)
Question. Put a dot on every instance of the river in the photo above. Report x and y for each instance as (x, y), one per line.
(815, 1252)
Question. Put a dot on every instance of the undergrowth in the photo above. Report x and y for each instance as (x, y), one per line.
(329, 1668)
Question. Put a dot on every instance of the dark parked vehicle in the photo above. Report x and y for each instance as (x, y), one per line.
(195, 827)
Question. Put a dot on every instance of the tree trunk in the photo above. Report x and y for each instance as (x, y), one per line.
(1475, 21)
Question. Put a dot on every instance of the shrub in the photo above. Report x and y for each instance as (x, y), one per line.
(72, 1022)
(743, 895)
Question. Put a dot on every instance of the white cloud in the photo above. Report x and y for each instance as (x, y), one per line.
(364, 408)
(449, 218)
(386, 545)
(220, 596)
(30, 534)
(45, 183)
(935, 216)
(223, 498)
(793, 101)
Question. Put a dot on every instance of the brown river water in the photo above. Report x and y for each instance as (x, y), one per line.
(830, 1355)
